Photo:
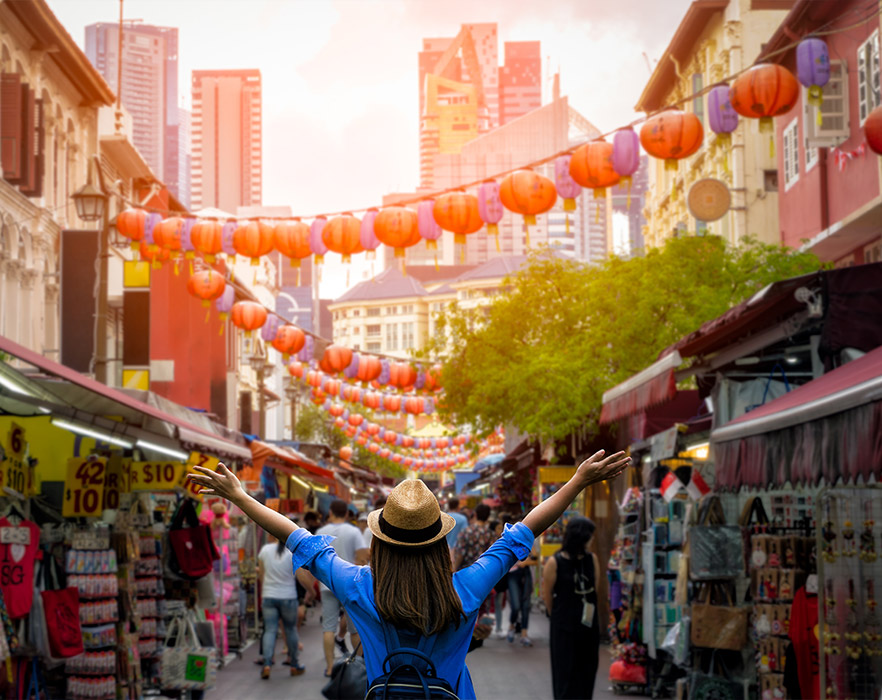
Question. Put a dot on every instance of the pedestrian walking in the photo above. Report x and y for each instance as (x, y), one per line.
(569, 587)
(409, 596)
(349, 545)
(520, 596)
(461, 522)
(366, 531)
(474, 540)
(279, 603)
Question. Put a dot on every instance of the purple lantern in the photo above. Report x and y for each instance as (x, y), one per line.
(722, 117)
(305, 354)
(490, 207)
(351, 370)
(369, 240)
(151, 221)
(186, 243)
(421, 378)
(270, 328)
(316, 244)
(224, 303)
(626, 152)
(429, 406)
(426, 224)
(385, 371)
(566, 186)
(227, 231)
(813, 68)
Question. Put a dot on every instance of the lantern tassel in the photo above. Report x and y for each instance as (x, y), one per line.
(177, 269)
(191, 268)
(436, 263)
(772, 147)
(462, 253)
(298, 276)
(221, 331)
(567, 219)
(208, 315)
(628, 203)
(526, 234)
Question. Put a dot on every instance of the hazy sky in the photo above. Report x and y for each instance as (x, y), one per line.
(340, 87)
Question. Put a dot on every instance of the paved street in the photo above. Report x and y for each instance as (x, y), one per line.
(499, 670)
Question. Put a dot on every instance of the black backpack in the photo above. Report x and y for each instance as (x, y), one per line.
(413, 677)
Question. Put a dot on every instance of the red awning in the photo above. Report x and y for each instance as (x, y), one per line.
(649, 387)
(290, 462)
(847, 387)
(212, 443)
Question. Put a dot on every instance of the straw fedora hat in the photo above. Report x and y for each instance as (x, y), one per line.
(411, 517)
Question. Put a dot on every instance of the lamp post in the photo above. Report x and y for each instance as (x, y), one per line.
(91, 205)
(292, 393)
(260, 366)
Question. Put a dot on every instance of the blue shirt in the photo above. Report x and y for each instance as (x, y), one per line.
(461, 522)
(354, 588)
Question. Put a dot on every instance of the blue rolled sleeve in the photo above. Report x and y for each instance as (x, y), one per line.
(316, 554)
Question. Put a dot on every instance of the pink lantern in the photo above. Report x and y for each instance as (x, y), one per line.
(269, 329)
(229, 228)
(626, 156)
(368, 239)
(224, 303)
(186, 243)
(316, 244)
(490, 207)
(566, 186)
(428, 227)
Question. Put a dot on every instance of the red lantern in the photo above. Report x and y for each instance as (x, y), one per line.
(414, 405)
(672, 135)
(384, 453)
(369, 368)
(314, 378)
(248, 315)
(253, 239)
(392, 403)
(390, 436)
(289, 340)
(372, 400)
(336, 409)
(206, 285)
(342, 234)
(402, 375)
(332, 387)
(351, 393)
(764, 91)
(336, 358)
(433, 378)
(130, 223)
(374, 448)
(291, 239)
(372, 429)
(397, 227)
(408, 461)
(407, 441)
(167, 234)
(527, 192)
(295, 369)
(458, 212)
(361, 440)
(355, 419)
(346, 452)
(207, 238)
(591, 166)
(873, 130)
(154, 254)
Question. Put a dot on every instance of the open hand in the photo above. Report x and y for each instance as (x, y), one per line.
(597, 468)
(221, 483)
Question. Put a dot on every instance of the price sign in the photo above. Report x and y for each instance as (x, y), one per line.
(197, 459)
(13, 472)
(84, 488)
(15, 443)
(116, 481)
(155, 476)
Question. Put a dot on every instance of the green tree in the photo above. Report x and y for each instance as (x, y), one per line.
(542, 353)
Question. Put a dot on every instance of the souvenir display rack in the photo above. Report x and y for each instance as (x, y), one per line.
(849, 568)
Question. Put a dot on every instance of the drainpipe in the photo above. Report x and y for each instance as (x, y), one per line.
(824, 189)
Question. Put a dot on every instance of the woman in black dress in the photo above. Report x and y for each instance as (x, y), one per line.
(569, 589)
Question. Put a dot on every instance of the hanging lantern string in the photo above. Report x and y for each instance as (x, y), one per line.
(542, 161)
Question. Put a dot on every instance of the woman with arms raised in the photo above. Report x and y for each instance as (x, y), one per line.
(409, 596)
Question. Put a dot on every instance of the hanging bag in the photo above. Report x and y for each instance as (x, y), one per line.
(718, 626)
(186, 665)
(193, 547)
(715, 549)
(348, 678)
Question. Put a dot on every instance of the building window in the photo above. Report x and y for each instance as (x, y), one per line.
(356, 312)
(869, 96)
(356, 347)
(770, 180)
(373, 347)
(698, 102)
(811, 154)
(791, 154)
(407, 336)
(391, 336)
(832, 128)
(873, 252)
(375, 311)
(391, 310)
(407, 309)
(356, 330)
(701, 228)
(372, 331)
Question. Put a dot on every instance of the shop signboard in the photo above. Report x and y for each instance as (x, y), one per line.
(84, 487)
(13, 469)
(155, 476)
(197, 459)
(116, 481)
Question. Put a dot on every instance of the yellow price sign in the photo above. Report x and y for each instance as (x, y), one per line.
(197, 459)
(116, 481)
(15, 442)
(155, 476)
(13, 471)
(84, 488)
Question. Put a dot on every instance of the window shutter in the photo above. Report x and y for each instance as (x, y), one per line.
(10, 125)
(35, 188)
(26, 178)
(834, 128)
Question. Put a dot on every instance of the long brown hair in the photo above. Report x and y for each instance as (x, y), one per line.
(413, 586)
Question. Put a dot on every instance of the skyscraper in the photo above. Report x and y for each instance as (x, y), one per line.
(227, 166)
(149, 88)
(520, 80)
(185, 156)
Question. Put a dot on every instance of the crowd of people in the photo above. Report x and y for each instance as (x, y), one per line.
(567, 590)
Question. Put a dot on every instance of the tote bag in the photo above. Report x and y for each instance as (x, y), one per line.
(185, 664)
(62, 613)
(193, 548)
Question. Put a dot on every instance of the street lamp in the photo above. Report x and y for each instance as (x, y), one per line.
(292, 393)
(89, 201)
(260, 366)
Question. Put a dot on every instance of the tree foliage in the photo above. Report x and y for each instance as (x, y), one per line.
(543, 351)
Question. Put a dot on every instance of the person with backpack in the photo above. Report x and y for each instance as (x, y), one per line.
(415, 617)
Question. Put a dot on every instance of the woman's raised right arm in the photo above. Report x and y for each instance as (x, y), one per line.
(225, 484)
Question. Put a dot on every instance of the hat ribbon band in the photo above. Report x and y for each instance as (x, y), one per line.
(409, 536)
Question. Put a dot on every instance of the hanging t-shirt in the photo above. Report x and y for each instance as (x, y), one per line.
(17, 570)
(804, 636)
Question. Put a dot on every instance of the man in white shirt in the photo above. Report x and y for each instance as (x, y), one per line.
(350, 546)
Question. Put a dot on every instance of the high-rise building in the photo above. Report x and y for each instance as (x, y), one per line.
(227, 142)
(185, 155)
(149, 89)
(520, 80)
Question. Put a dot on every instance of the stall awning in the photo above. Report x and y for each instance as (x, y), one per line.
(197, 437)
(847, 387)
(290, 461)
(649, 387)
